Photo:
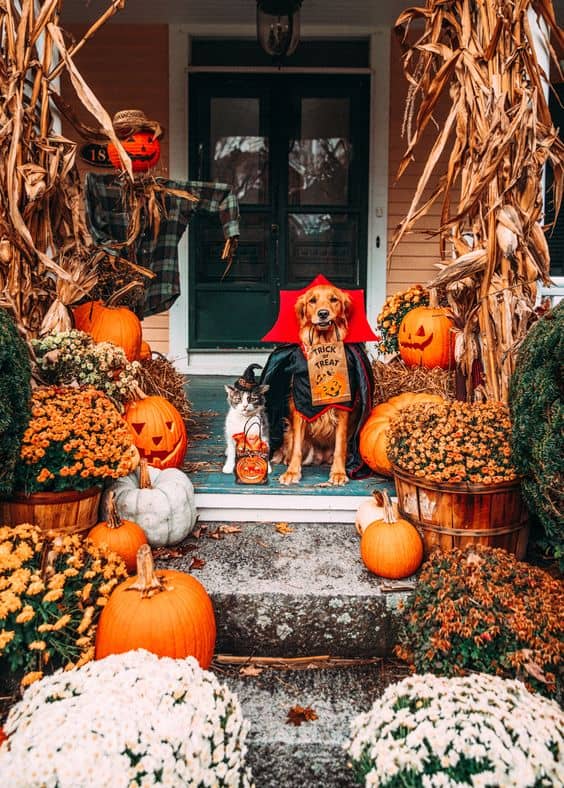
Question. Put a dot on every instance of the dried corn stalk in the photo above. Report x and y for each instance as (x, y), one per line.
(46, 256)
(497, 137)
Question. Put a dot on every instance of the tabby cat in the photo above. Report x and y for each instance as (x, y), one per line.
(246, 412)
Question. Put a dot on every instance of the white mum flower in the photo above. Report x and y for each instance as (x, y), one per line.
(481, 725)
(156, 721)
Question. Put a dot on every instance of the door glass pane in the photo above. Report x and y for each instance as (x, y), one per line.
(238, 151)
(250, 264)
(319, 159)
(323, 243)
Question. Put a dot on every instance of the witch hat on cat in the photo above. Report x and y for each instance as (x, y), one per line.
(248, 381)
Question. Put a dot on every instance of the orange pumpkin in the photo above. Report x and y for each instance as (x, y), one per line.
(391, 547)
(116, 324)
(158, 430)
(374, 433)
(143, 149)
(84, 315)
(145, 352)
(167, 612)
(426, 339)
(123, 537)
(3, 736)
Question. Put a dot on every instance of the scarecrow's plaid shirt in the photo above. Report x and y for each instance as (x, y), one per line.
(108, 220)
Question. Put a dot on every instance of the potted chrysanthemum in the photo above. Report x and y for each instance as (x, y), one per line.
(454, 475)
(74, 442)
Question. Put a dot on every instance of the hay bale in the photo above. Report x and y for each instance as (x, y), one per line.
(394, 377)
(159, 377)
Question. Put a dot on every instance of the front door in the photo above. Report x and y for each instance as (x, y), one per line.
(295, 150)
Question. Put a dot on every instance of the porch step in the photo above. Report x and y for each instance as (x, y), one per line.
(311, 755)
(303, 593)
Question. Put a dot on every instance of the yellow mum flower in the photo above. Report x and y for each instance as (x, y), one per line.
(5, 638)
(26, 615)
(30, 678)
(37, 645)
(36, 588)
(62, 622)
(54, 595)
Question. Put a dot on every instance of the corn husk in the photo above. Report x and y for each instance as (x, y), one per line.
(496, 139)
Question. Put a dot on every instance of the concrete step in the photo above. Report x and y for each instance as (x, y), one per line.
(311, 755)
(306, 592)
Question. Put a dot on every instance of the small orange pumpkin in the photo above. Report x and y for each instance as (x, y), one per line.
(142, 147)
(145, 352)
(123, 537)
(167, 612)
(374, 433)
(116, 324)
(391, 547)
(426, 339)
(159, 431)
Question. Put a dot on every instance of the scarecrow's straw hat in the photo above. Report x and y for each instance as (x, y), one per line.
(130, 121)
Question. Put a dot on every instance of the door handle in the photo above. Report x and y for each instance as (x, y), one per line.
(275, 230)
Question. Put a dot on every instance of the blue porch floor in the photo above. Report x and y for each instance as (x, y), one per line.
(219, 497)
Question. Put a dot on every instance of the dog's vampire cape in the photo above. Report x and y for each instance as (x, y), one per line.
(286, 369)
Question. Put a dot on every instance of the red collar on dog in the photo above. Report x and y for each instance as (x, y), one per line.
(286, 327)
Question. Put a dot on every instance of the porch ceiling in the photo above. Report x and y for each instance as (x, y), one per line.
(337, 13)
(315, 13)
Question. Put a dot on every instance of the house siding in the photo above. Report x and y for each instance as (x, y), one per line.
(414, 258)
(127, 66)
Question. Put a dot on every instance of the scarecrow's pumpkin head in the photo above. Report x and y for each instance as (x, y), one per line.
(142, 147)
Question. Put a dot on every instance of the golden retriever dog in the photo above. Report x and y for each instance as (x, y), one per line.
(322, 312)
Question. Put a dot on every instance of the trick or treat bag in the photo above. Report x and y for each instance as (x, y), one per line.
(251, 455)
(328, 373)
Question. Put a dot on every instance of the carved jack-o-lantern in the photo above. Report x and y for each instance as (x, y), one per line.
(143, 149)
(426, 338)
(159, 431)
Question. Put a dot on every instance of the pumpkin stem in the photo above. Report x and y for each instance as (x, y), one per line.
(144, 478)
(114, 298)
(389, 512)
(433, 297)
(138, 392)
(147, 581)
(113, 518)
(378, 497)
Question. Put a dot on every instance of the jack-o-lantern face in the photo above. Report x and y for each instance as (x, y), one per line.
(426, 338)
(251, 469)
(158, 431)
(142, 148)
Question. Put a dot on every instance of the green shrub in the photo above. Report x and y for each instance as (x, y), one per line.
(15, 394)
(536, 401)
(479, 609)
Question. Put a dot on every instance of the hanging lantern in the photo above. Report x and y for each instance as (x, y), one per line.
(278, 26)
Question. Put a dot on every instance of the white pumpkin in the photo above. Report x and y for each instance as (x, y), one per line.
(161, 501)
(369, 510)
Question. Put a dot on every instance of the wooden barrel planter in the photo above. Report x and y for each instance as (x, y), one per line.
(65, 512)
(456, 515)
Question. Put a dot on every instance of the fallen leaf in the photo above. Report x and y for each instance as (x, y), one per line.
(299, 714)
(533, 668)
(229, 529)
(250, 670)
(199, 531)
(197, 563)
(216, 534)
(284, 528)
(172, 552)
